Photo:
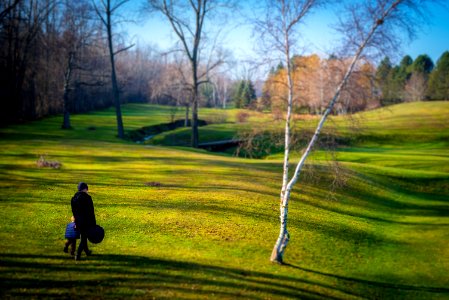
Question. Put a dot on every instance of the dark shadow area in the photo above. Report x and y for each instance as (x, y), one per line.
(119, 276)
(390, 207)
(220, 146)
(381, 200)
(382, 284)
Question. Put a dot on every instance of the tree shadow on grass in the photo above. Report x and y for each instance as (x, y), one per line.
(386, 286)
(119, 276)
(394, 203)
(437, 212)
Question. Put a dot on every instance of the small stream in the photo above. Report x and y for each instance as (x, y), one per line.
(148, 132)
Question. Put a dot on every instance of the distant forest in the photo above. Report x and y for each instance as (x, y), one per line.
(54, 56)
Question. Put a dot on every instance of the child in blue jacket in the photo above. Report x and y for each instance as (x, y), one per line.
(71, 234)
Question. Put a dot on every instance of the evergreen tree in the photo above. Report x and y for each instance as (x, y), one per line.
(406, 61)
(397, 79)
(439, 79)
(405, 70)
(238, 92)
(279, 67)
(395, 85)
(244, 94)
(382, 76)
(383, 70)
(249, 93)
(423, 64)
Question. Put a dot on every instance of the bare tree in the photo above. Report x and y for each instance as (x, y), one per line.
(222, 86)
(137, 70)
(105, 15)
(187, 19)
(415, 88)
(6, 8)
(76, 34)
(171, 85)
(366, 26)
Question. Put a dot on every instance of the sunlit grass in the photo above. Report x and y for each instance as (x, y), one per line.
(207, 231)
(403, 125)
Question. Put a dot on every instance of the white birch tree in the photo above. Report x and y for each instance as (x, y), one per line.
(279, 31)
(365, 25)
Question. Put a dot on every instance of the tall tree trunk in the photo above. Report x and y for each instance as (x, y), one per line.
(65, 104)
(224, 98)
(195, 96)
(186, 121)
(195, 135)
(214, 96)
(115, 91)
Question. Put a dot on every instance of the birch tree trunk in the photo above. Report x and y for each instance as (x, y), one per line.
(282, 17)
(284, 236)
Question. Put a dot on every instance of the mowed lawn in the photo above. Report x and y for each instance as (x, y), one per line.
(187, 224)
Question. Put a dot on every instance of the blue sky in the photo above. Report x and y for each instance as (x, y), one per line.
(432, 39)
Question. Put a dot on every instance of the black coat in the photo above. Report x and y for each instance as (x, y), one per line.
(83, 211)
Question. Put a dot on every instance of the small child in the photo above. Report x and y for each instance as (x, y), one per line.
(71, 234)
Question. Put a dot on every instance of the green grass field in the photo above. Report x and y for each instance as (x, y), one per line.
(208, 230)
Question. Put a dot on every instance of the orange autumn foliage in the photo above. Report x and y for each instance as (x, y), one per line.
(314, 83)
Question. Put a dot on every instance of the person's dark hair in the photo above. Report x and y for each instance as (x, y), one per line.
(82, 186)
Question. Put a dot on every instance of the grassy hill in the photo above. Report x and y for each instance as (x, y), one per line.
(404, 123)
(184, 223)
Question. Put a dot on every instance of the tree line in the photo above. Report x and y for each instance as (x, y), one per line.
(413, 80)
(55, 57)
(368, 87)
(50, 51)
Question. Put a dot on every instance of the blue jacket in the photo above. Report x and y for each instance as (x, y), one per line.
(71, 232)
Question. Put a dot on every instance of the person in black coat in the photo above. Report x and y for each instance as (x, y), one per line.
(83, 211)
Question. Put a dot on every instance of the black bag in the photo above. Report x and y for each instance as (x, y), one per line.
(95, 234)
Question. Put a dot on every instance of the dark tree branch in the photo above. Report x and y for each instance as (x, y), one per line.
(6, 11)
(118, 5)
(124, 49)
(99, 14)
